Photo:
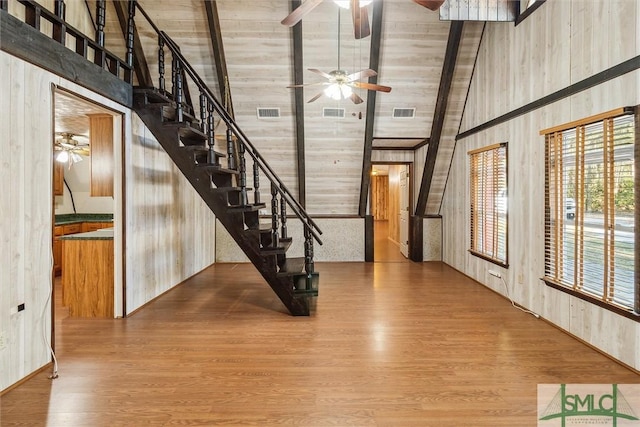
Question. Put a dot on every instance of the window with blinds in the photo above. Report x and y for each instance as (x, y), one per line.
(590, 207)
(488, 184)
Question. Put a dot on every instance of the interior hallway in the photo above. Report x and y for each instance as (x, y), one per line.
(385, 249)
(391, 344)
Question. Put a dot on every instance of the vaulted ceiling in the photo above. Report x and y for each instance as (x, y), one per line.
(409, 47)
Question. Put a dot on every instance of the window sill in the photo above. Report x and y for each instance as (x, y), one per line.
(628, 313)
(501, 263)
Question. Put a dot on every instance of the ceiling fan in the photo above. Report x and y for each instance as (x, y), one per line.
(358, 12)
(339, 84)
(70, 149)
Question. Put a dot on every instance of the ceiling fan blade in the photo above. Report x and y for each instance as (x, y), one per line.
(307, 84)
(371, 86)
(294, 17)
(360, 20)
(430, 4)
(322, 73)
(361, 75)
(315, 97)
(356, 99)
(83, 151)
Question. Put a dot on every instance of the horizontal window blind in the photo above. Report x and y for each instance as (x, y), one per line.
(488, 185)
(590, 209)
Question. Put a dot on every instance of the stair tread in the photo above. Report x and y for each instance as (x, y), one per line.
(280, 249)
(228, 189)
(154, 95)
(202, 149)
(211, 168)
(292, 266)
(247, 208)
(185, 129)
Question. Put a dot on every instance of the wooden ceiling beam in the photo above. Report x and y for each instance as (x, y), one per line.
(140, 65)
(374, 62)
(213, 19)
(298, 77)
(451, 54)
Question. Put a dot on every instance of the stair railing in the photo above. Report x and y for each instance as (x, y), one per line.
(278, 188)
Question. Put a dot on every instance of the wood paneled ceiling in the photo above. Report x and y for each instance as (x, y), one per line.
(260, 62)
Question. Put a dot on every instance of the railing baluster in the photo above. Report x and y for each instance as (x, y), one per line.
(244, 200)
(256, 182)
(275, 240)
(161, 81)
(130, 27)
(231, 151)
(177, 89)
(32, 15)
(283, 218)
(308, 253)
(211, 155)
(60, 9)
(100, 21)
(203, 112)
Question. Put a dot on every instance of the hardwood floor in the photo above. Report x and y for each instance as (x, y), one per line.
(384, 249)
(391, 344)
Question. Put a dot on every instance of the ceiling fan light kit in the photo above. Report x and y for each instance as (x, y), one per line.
(69, 149)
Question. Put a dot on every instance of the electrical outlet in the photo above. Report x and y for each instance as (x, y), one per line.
(494, 273)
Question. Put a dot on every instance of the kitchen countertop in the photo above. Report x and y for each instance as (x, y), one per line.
(65, 219)
(102, 234)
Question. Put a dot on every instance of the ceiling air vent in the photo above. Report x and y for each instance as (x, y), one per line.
(337, 113)
(404, 113)
(268, 113)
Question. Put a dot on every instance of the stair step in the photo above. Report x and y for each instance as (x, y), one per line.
(280, 249)
(189, 135)
(291, 267)
(301, 282)
(169, 112)
(228, 189)
(201, 149)
(154, 95)
(212, 169)
(247, 208)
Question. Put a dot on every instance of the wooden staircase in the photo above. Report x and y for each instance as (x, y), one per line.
(186, 132)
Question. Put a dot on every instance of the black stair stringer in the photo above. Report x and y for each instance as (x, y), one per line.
(233, 220)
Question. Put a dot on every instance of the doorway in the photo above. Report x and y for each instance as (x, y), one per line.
(390, 203)
(87, 198)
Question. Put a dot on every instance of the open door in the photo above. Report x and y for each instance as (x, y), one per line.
(404, 210)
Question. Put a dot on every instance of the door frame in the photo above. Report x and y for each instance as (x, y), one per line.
(369, 226)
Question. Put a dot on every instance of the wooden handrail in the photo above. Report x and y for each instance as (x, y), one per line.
(231, 124)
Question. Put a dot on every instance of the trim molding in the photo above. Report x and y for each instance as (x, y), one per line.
(595, 80)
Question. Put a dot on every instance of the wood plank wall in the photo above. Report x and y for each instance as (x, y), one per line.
(380, 197)
(170, 233)
(394, 202)
(595, 35)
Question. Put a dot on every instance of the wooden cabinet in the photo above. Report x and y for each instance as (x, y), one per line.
(88, 277)
(102, 163)
(58, 178)
(57, 250)
(93, 226)
(63, 230)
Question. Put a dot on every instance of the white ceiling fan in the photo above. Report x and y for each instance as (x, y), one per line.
(340, 83)
(69, 149)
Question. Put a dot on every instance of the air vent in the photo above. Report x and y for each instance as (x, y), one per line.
(404, 113)
(268, 113)
(337, 113)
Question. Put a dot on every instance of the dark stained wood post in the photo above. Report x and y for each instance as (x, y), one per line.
(203, 112)
(283, 218)
(161, 80)
(101, 8)
(4, 4)
(256, 181)
(308, 253)
(211, 155)
(244, 200)
(59, 28)
(231, 151)
(130, 31)
(60, 9)
(176, 70)
(275, 238)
